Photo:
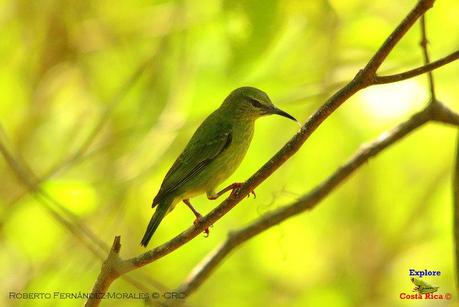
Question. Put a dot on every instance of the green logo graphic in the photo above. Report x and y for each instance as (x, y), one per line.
(423, 287)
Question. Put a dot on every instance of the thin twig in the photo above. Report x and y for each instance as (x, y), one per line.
(424, 42)
(417, 71)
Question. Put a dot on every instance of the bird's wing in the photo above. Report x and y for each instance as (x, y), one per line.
(207, 143)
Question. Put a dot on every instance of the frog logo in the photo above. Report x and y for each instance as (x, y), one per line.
(423, 287)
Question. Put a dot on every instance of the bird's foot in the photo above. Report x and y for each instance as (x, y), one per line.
(197, 215)
(235, 188)
(196, 223)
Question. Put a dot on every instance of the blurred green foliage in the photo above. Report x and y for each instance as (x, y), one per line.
(66, 71)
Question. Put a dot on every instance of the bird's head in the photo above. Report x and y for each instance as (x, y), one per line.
(251, 102)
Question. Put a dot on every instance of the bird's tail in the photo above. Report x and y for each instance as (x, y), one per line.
(156, 219)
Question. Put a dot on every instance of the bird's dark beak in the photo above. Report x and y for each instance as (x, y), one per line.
(282, 113)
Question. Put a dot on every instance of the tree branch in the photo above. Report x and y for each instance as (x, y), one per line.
(364, 78)
(425, 53)
(200, 273)
(417, 71)
(106, 275)
(307, 202)
(435, 112)
(375, 62)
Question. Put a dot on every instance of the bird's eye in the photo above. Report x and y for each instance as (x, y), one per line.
(255, 103)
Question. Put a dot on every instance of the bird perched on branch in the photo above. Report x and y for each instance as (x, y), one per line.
(213, 153)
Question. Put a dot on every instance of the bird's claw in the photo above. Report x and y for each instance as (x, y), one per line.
(236, 187)
(196, 223)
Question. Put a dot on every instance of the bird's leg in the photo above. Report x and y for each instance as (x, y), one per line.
(196, 214)
(234, 190)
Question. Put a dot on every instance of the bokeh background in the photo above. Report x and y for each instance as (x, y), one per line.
(97, 98)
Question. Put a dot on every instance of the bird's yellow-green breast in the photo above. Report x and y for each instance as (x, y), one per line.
(227, 138)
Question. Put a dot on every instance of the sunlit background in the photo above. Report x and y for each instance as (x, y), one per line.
(97, 98)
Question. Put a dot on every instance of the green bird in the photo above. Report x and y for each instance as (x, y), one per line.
(213, 153)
